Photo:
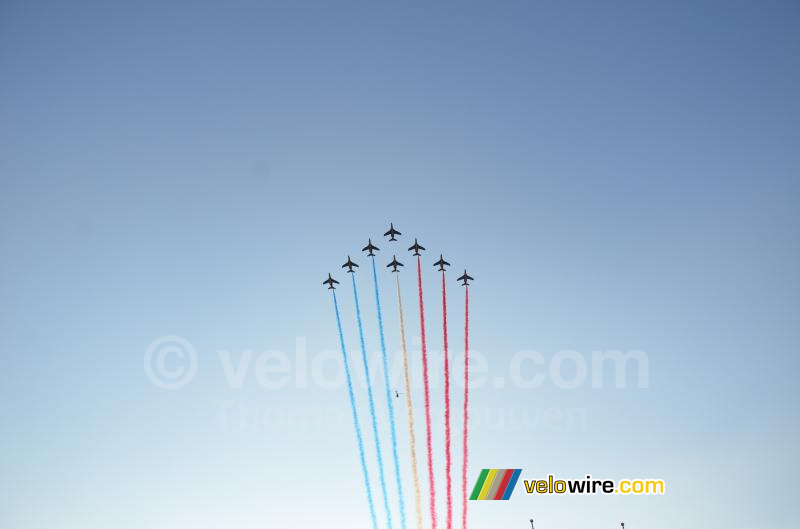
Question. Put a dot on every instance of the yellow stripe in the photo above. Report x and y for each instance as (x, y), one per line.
(488, 483)
(412, 438)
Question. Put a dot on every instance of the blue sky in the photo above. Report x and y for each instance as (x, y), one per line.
(617, 176)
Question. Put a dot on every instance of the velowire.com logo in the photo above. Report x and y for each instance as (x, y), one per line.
(498, 484)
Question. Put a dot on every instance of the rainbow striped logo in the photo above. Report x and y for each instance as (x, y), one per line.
(495, 484)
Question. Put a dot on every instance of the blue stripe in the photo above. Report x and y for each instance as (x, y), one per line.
(356, 423)
(372, 408)
(389, 400)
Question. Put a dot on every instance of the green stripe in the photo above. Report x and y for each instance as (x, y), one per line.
(479, 485)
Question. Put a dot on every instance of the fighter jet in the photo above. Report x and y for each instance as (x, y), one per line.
(392, 232)
(349, 265)
(441, 263)
(465, 278)
(395, 263)
(370, 248)
(416, 247)
(330, 282)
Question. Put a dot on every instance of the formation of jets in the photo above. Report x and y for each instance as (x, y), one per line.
(415, 248)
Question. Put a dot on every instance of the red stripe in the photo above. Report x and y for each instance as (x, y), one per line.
(503, 484)
(448, 457)
(465, 502)
(426, 383)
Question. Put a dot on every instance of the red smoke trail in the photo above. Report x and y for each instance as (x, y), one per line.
(427, 396)
(448, 459)
(466, 409)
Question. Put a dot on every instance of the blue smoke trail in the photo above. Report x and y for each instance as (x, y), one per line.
(389, 399)
(355, 416)
(372, 407)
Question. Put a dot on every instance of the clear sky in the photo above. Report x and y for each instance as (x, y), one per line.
(616, 176)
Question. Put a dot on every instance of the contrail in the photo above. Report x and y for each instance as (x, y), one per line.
(466, 408)
(427, 396)
(356, 423)
(410, 412)
(389, 402)
(372, 407)
(448, 455)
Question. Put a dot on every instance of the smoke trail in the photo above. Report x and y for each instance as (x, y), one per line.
(448, 455)
(466, 409)
(389, 402)
(372, 407)
(410, 412)
(356, 423)
(427, 396)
